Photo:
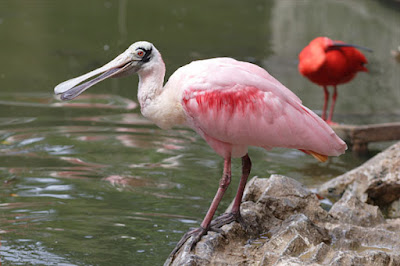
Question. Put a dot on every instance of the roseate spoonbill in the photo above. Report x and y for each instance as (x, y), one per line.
(231, 104)
(329, 63)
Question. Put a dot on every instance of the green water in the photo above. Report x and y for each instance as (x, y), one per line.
(91, 182)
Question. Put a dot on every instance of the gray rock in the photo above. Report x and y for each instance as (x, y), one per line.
(349, 209)
(376, 182)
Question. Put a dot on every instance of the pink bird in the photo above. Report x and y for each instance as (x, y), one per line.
(231, 104)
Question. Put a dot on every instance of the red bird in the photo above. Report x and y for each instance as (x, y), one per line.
(329, 63)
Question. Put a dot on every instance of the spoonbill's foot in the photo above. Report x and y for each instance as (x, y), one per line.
(196, 235)
(224, 219)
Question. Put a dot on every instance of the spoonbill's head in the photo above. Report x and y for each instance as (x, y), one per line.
(139, 57)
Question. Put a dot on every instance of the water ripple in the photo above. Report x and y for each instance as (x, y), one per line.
(20, 253)
(46, 100)
(7, 121)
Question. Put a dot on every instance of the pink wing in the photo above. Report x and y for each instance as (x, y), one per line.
(234, 104)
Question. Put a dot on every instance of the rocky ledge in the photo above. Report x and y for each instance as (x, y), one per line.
(286, 224)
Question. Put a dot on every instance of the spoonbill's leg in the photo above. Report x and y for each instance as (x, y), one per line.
(326, 99)
(223, 185)
(197, 233)
(334, 96)
(234, 215)
(246, 168)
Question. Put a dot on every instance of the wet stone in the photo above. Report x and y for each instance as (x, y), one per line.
(349, 209)
(376, 182)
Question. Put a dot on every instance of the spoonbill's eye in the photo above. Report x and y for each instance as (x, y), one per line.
(140, 53)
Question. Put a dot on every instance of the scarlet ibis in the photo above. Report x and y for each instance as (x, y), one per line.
(231, 104)
(329, 63)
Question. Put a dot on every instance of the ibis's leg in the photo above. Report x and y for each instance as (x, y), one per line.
(334, 96)
(326, 99)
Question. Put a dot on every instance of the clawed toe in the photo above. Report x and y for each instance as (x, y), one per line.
(196, 235)
(224, 219)
(216, 229)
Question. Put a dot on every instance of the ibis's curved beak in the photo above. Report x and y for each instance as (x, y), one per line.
(336, 44)
(122, 65)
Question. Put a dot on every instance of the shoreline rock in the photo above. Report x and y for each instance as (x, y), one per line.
(286, 224)
(376, 182)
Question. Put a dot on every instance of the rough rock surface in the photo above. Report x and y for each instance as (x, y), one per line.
(376, 182)
(286, 224)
